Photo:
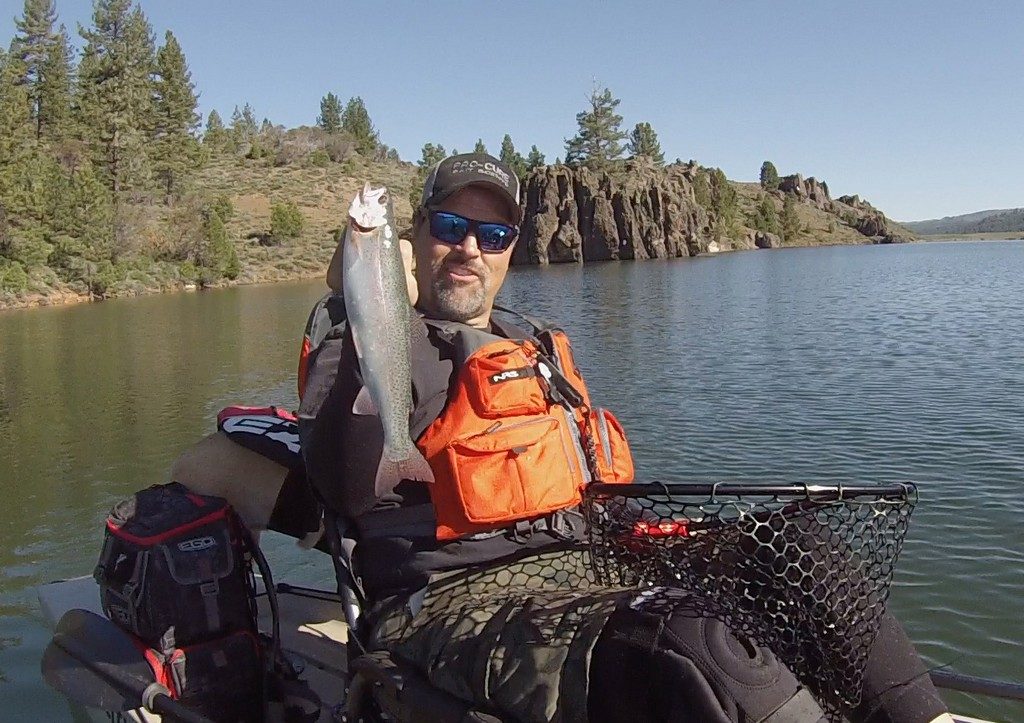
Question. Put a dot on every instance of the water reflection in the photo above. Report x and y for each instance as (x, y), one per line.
(868, 363)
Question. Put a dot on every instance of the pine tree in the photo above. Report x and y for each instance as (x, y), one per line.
(176, 150)
(16, 125)
(82, 223)
(702, 188)
(765, 217)
(598, 142)
(790, 220)
(512, 158)
(643, 143)
(216, 136)
(479, 147)
(218, 253)
(32, 46)
(114, 96)
(356, 122)
(535, 159)
(430, 156)
(17, 130)
(53, 119)
(723, 204)
(330, 113)
(243, 125)
(47, 59)
(769, 176)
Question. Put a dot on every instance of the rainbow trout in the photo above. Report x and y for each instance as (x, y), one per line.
(378, 310)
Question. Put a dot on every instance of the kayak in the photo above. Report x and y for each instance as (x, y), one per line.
(313, 636)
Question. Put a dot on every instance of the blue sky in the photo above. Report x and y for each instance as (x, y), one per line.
(918, 106)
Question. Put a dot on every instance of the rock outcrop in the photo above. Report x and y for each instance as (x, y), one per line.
(765, 240)
(869, 221)
(574, 215)
(809, 191)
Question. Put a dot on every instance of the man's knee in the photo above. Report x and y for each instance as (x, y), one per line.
(217, 466)
(687, 667)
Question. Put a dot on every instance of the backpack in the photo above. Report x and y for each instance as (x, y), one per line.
(175, 571)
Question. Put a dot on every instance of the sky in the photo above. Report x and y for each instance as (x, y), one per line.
(918, 106)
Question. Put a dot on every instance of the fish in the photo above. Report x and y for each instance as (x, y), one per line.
(378, 310)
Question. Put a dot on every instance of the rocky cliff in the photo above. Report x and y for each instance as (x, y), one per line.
(870, 221)
(573, 214)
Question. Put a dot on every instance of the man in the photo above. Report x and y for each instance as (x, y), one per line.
(497, 613)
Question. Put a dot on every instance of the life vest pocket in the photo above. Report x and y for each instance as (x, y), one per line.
(501, 381)
(614, 460)
(514, 471)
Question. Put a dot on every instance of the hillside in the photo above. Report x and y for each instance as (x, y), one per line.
(322, 195)
(168, 244)
(571, 214)
(994, 221)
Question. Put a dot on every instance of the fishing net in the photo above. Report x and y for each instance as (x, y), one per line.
(804, 570)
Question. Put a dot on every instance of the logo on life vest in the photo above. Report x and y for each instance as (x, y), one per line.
(197, 543)
(510, 374)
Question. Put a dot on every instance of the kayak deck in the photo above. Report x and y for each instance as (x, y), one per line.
(312, 633)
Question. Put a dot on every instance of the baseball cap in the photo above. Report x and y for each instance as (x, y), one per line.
(468, 169)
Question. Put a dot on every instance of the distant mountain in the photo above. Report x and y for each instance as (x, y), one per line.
(1010, 220)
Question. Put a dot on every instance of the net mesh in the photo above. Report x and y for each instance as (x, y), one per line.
(802, 570)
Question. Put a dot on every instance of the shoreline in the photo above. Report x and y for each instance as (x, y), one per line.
(985, 236)
(61, 299)
(67, 298)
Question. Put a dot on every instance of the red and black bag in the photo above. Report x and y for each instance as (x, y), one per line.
(174, 568)
(175, 571)
(222, 677)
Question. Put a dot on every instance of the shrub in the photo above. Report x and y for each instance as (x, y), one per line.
(221, 258)
(285, 220)
(103, 276)
(188, 272)
(339, 148)
(288, 155)
(256, 150)
(319, 158)
(13, 278)
(223, 207)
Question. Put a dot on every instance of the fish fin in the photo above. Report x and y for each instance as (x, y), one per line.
(363, 404)
(392, 471)
(355, 341)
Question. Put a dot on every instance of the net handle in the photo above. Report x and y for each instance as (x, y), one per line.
(815, 492)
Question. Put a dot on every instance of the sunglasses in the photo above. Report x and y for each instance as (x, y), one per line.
(451, 228)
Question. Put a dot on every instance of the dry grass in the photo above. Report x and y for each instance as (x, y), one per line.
(817, 227)
(322, 196)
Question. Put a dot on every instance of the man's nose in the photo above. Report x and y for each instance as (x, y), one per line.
(469, 245)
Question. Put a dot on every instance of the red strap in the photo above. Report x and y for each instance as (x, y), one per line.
(241, 411)
(163, 536)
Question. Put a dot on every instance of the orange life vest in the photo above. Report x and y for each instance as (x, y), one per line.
(518, 439)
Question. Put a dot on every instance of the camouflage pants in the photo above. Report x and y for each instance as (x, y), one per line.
(516, 638)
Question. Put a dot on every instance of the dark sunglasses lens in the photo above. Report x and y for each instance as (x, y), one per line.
(448, 227)
(495, 236)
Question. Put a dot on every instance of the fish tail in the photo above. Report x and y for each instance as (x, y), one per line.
(409, 465)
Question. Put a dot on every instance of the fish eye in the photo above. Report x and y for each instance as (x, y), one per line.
(383, 198)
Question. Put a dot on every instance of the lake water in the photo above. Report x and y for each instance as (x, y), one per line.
(872, 363)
